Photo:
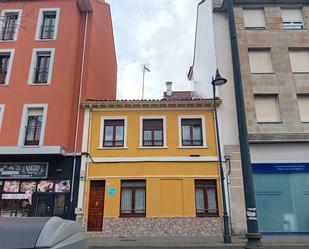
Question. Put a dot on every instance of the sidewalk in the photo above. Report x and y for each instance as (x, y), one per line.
(270, 242)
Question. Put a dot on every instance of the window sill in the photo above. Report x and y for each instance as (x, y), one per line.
(152, 147)
(266, 73)
(45, 40)
(207, 215)
(256, 28)
(112, 148)
(300, 72)
(4, 85)
(132, 216)
(193, 147)
(270, 122)
(7, 41)
(38, 84)
(30, 146)
(305, 122)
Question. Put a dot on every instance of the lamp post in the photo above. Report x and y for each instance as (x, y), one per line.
(218, 81)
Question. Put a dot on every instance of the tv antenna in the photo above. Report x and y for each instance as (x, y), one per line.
(145, 68)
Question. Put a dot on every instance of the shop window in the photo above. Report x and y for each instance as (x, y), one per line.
(33, 127)
(303, 106)
(260, 61)
(113, 133)
(254, 18)
(267, 108)
(59, 204)
(133, 198)
(206, 198)
(299, 60)
(191, 132)
(292, 19)
(152, 132)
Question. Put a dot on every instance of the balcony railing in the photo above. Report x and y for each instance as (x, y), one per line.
(8, 33)
(192, 142)
(152, 142)
(113, 143)
(41, 75)
(32, 136)
(47, 32)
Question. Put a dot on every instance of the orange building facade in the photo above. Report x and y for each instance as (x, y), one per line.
(53, 55)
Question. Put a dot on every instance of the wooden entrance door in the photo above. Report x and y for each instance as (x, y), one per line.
(96, 206)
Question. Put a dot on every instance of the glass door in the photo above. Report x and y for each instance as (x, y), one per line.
(44, 205)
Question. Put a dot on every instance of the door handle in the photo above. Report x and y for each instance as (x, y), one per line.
(96, 203)
(48, 208)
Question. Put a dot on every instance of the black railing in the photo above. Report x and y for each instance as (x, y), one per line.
(8, 33)
(192, 142)
(113, 143)
(152, 142)
(32, 136)
(47, 32)
(41, 75)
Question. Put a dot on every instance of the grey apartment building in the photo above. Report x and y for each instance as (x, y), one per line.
(273, 44)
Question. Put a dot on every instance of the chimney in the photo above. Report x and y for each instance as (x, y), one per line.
(169, 88)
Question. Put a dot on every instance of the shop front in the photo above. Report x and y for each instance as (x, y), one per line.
(40, 188)
(282, 197)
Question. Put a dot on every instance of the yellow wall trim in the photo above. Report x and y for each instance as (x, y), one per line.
(155, 159)
(154, 176)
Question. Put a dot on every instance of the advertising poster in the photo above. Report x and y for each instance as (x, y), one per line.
(11, 186)
(62, 186)
(45, 186)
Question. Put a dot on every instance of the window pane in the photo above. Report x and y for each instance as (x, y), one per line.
(199, 199)
(260, 61)
(119, 133)
(126, 200)
(147, 135)
(133, 184)
(108, 133)
(299, 61)
(254, 18)
(59, 205)
(303, 105)
(267, 108)
(185, 132)
(140, 201)
(196, 132)
(211, 200)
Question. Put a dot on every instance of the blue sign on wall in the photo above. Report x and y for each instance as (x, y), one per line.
(280, 167)
(111, 191)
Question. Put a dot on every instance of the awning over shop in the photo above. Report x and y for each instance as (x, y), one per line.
(26, 196)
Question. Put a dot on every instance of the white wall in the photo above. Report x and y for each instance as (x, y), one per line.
(212, 51)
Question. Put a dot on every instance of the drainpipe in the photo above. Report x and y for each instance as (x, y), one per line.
(253, 236)
(81, 81)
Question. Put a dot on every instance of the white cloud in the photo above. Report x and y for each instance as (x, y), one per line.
(162, 35)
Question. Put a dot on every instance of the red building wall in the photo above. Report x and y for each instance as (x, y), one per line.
(99, 78)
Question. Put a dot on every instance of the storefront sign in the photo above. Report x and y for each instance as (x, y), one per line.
(23, 170)
(280, 167)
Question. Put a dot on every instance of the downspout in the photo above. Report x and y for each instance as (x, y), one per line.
(81, 81)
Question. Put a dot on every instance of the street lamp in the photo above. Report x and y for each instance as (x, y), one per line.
(218, 81)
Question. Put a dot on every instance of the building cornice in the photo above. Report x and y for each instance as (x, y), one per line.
(152, 104)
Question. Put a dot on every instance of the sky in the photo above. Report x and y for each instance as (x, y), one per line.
(155, 32)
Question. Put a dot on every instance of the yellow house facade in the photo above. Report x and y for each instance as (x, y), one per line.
(150, 168)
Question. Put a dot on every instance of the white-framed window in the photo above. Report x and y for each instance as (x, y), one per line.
(41, 66)
(303, 106)
(1, 114)
(9, 24)
(267, 108)
(113, 132)
(192, 131)
(254, 18)
(6, 61)
(299, 60)
(260, 61)
(152, 131)
(292, 18)
(47, 25)
(32, 127)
